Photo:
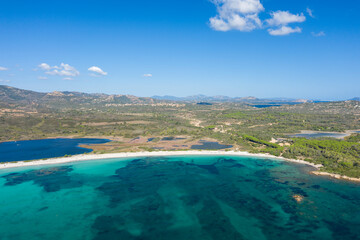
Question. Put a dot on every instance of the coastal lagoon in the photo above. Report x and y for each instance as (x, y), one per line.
(192, 197)
(207, 145)
(45, 148)
(273, 104)
(310, 135)
(317, 134)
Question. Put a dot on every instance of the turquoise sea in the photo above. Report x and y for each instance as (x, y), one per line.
(192, 197)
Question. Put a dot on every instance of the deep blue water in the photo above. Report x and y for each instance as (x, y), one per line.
(274, 104)
(265, 106)
(204, 103)
(45, 148)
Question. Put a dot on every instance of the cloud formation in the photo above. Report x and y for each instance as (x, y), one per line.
(284, 30)
(281, 20)
(44, 66)
(284, 18)
(319, 34)
(310, 12)
(3, 68)
(243, 15)
(97, 71)
(147, 75)
(62, 70)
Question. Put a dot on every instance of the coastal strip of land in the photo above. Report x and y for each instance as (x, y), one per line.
(125, 155)
(334, 175)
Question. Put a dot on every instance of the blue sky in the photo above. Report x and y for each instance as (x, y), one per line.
(263, 48)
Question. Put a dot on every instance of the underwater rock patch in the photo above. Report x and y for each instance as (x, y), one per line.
(51, 179)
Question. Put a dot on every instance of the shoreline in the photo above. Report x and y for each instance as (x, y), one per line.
(89, 157)
(335, 175)
(124, 155)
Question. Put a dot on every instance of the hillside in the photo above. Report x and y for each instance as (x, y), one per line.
(10, 96)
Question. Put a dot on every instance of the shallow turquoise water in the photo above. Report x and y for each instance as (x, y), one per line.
(176, 198)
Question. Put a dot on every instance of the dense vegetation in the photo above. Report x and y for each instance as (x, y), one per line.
(335, 155)
(353, 138)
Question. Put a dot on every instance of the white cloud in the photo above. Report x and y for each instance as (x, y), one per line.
(68, 78)
(238, 6)
(44, 66)
(241, 15)
(3, 68)
(62, 70)
(4, 81)
(310, 12)
(42, 78)
(97, 70)
(284, 30)
(319, 34)
(147, 75)
(279, 18)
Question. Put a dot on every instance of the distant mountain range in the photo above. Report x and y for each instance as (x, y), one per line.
(204, 98)
(20, 97)
(16, 96)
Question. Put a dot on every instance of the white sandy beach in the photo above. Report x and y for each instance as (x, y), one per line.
(88, 157)
(334, 175)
